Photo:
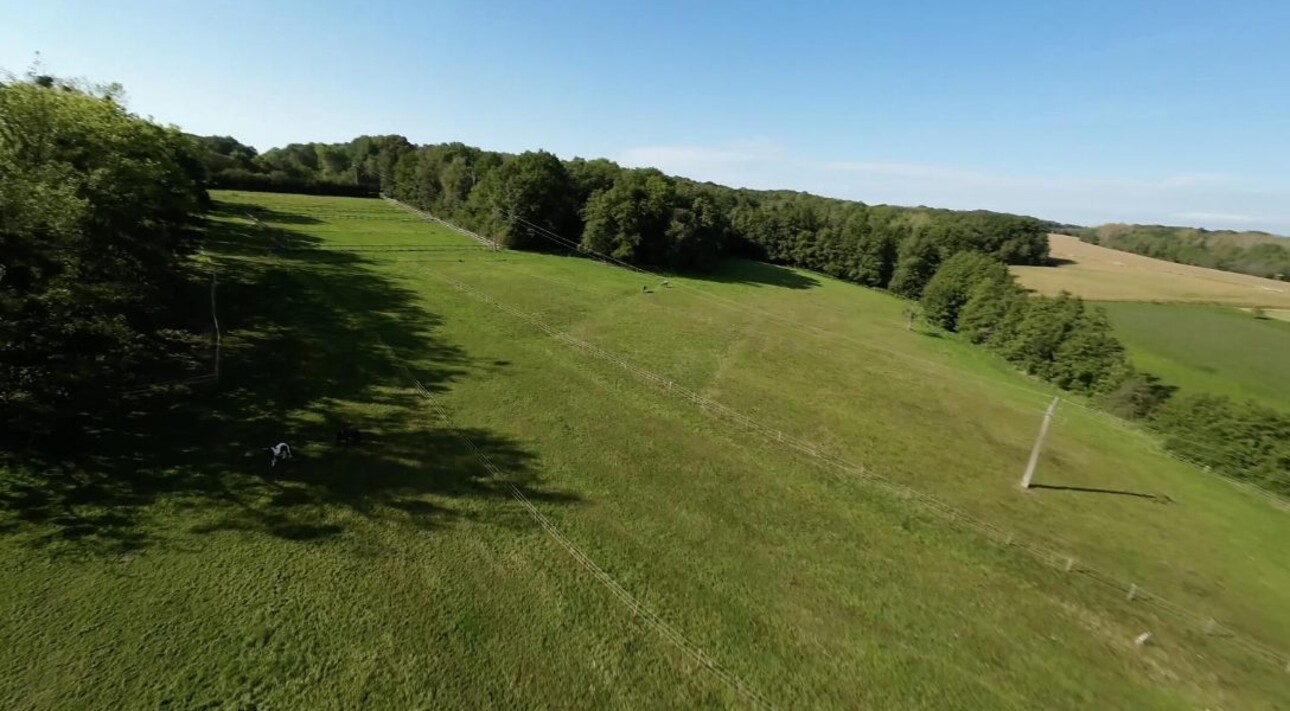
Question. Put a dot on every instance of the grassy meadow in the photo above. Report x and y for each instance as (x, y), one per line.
(182, 571)
(1102, 274)
(1209, 349)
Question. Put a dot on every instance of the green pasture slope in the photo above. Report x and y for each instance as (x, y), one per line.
(401, 573)
(1209, 349)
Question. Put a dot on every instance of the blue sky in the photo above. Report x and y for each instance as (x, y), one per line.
(1171, 111)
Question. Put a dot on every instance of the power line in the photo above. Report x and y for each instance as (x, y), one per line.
(736, 305)
(842, 467)
(1096, 413)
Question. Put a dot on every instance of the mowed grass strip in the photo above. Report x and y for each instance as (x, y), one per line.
(877, 408)
(1101, 534)
(397, 574)
(745, 285)
(1125, 517)
(1103, 274)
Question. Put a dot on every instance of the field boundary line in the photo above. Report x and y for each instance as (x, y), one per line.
(1277, 500)
(638, 608)
(839, 467)
(491, 244)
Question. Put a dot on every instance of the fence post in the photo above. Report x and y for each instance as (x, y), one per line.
(215, 320)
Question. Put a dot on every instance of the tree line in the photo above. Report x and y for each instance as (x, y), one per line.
(954, 262)
(98, 210)
(1256, 253)
(99, 213)
(641, 215)
(1072, 345)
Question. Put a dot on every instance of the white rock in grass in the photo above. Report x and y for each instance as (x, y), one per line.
(1143, 639)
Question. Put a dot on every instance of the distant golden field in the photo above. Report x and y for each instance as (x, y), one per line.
(1102, 274)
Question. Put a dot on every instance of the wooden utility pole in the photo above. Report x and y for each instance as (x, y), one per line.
(1039, 445)
(215, 320)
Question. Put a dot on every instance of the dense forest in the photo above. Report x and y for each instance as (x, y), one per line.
(97, 216)
(1256, 253)
(537, 201)
(100, 213)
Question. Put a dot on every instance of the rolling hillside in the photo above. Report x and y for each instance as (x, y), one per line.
(584, 487)
(1103, 274)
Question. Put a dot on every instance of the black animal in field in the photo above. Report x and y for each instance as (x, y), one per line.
(349, 435)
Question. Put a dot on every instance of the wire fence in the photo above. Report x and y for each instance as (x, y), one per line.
(1035, 548)
(487, 242)
(1271, 497)
(843, 469)
(639, 610)
(217, 338)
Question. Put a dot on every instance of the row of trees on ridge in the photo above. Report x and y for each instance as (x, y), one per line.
(98, 210)
(1255, 253)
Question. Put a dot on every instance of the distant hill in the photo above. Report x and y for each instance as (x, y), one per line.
(1103, 274)
(1256, 253)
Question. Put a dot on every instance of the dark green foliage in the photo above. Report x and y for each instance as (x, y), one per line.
(1242, 440)
(1138, 397)
(654, 219)
(949, 289)
(1257, 253)
(1062, 341)
(629, 220)
(1091, 359)
(698, 230)
(992, 311)
(96, 207)
(591, 176)
(1058, 339)
(529, 193)
(879, 246)
(364, 167)
(916, 261)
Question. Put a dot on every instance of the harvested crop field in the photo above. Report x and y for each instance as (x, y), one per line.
(1103, 274)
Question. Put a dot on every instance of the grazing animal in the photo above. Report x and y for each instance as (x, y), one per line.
(349, 435)
(279, 452)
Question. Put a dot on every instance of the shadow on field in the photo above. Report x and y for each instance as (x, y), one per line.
(260, 212)
(747, 271)
(1057, 262)
(1112, 492)
(311, 343)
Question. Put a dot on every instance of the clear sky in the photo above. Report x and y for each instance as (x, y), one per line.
(1169, 111)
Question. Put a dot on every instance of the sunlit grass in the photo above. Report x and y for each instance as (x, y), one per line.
(399, 573)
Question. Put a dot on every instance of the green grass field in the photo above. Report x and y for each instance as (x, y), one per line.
(181, 570)
(1209, 349)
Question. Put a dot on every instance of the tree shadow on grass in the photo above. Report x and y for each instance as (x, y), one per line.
(260, 212)
(310, 342)
(1057, 262)
(747, 271)
(227, 238)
